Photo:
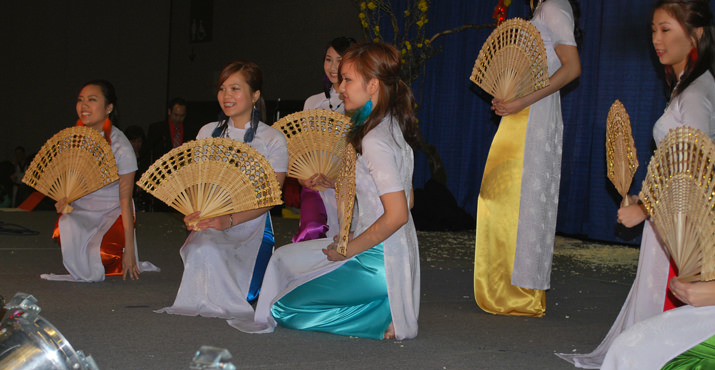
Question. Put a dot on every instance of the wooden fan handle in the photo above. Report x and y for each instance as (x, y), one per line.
(342, 246)
(689, 279)
(67, 209)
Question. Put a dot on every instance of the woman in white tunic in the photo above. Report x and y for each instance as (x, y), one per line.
(318, 209)
(518, 198)
(643, 335)
(374, 291)
(97, 238)
(222, 255)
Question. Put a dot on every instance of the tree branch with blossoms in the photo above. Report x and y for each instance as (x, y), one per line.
(409, 30)
(409, 37)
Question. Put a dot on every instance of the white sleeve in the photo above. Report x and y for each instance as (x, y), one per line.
(124, 155)
(560, 23)
(277, 151)
(314, 101)
(382, 163)
(206, 130)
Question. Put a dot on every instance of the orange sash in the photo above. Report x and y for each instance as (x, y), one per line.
(111, 249)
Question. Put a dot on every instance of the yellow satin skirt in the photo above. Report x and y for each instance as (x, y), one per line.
(497, 224)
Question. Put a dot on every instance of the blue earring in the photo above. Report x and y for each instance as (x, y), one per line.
(360, 116)
(251, 131)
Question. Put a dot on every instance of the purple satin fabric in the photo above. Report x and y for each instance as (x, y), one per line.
(313, 219)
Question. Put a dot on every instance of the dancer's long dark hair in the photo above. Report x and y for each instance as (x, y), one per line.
(382, 62)
(691, 14)
(340, 44)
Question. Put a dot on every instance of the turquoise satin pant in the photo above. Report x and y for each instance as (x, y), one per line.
(351, 300)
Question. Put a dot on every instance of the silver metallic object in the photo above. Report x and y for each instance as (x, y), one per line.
(28, 341)
(212, 358)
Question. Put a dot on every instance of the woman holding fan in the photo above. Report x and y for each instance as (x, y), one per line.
(518, 199)
(97, 237)
(374, 290)
(225, 256)
(318, 212)
(683, 37)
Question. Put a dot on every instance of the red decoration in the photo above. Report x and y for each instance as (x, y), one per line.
(500, 12)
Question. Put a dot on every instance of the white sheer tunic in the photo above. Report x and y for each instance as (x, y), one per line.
(541, 172)
(218, 264)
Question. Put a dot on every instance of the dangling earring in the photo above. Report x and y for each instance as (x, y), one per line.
(107, 129)
(360, 116)
(692, 58)
(251, 131)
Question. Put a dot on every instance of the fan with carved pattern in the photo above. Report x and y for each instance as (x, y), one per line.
(315, 139)
(345, 193)
(214, 176)
(621, 156)
(73, 163)
(678, 194)
(512, 62)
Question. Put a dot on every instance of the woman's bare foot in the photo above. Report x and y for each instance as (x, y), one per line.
(390, 332)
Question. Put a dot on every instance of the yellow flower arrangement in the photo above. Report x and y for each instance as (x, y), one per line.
(422, 5)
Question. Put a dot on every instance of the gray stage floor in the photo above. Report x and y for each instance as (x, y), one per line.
(113, 320)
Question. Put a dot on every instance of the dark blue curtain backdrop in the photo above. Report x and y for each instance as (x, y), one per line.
(617, 63)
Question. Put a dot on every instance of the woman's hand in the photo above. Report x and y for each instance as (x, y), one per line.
(61, 204)
(317, 182)
(219, 223)
(129, 265)
(502, 108)
(697, 294)
(325, 182)
(632, 199)
(190, 221)
(332, 253)
(309, 182)
(631, 215)
(570, 70)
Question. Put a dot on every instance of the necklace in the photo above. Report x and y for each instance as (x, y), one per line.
(330, 96)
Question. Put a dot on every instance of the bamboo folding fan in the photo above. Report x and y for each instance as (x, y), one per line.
(73, 163)
(621, 158)
(345, 193)
(512, 62)
(214, 176)
(316, 139)
(678, 194)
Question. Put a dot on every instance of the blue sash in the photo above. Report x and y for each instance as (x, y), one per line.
(264, 255)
